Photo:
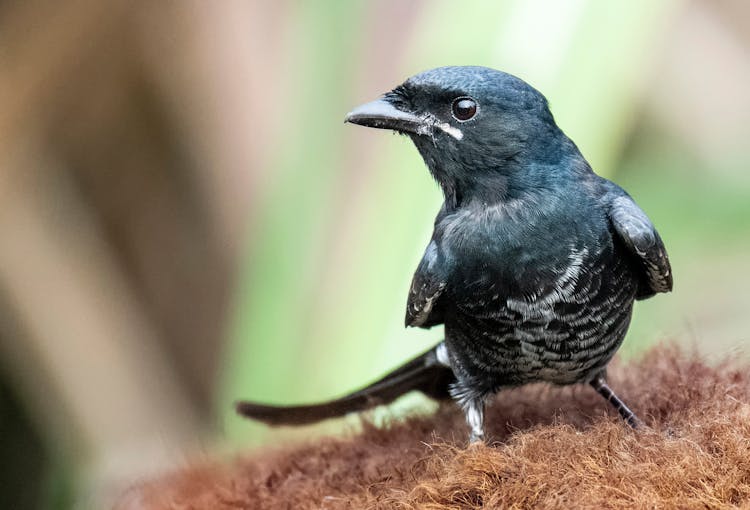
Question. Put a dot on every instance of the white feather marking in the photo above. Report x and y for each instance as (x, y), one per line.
(474, 411)
(441, 352)
(541, 307)
(450, 130)
(430, 122)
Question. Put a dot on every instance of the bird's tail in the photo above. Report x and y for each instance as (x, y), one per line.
(424, 373)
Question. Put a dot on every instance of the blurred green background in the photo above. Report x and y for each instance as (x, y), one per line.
(185, 220)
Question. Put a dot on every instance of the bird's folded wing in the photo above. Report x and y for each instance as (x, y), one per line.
(424, 307)
(642, 239)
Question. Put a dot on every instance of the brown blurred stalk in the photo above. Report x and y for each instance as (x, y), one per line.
(128, 162)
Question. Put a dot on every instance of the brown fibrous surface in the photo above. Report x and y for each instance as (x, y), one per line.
(548, 448)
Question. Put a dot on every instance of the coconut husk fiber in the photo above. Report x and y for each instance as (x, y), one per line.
(548, 448)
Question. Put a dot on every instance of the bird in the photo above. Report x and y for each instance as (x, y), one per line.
(534, 263)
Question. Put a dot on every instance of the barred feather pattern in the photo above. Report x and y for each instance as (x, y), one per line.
(566, 335)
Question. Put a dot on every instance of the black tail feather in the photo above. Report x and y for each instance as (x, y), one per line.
(423, 373)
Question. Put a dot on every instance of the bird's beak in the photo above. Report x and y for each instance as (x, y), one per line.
(384, 115)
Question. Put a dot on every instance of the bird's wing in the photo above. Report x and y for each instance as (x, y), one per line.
(643, 241)
(424, 307)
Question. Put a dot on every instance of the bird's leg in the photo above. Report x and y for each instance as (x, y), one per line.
(474, 412)
(601, 387)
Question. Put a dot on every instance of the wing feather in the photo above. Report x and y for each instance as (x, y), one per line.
(424, 307)
(641, 238)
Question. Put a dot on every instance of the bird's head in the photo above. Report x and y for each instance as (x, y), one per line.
(479, 130)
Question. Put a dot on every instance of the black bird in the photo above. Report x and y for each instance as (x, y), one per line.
(534, 262)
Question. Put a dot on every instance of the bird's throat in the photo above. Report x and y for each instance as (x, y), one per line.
(451, 192)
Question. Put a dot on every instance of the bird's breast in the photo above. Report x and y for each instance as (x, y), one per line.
(564, 330)
(520, 249)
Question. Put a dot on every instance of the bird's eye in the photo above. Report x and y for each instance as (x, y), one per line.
(464, 108)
